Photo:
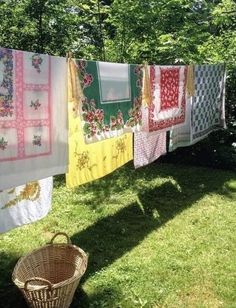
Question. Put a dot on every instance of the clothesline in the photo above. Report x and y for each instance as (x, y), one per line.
(62, 115)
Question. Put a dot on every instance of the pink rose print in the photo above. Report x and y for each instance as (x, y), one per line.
(87, 80)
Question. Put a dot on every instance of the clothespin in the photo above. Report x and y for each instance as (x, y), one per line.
(69, 55)
(146, 94)
(190, 84)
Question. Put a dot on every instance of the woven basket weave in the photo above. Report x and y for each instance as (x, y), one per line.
(49, 276)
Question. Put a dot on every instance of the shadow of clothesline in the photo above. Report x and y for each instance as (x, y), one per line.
(111, 237)
(201, 178)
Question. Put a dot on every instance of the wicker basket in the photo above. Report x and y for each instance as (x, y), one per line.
(49, 276)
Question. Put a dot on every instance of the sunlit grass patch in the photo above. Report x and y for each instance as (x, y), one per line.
(159, 236)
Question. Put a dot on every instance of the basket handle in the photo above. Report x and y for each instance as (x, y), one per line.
(60, 233)
(47, 282)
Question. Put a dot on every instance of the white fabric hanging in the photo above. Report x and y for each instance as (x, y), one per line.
(114, 82)
(181, 136)
(25, 204)
(33, 117)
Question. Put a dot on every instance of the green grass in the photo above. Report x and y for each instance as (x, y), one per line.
(160, 236)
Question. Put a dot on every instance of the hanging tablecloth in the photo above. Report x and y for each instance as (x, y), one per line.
(25, 204)
(33, 117)
(112, 99)
(181, 136)
(168, 86)
(208, 101)
(147, 146)
(89, 162)
(205, 108)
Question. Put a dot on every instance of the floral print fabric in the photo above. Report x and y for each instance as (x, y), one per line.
(168, 86)
(148, 147)
(32, 103)
(89, 162)
(25, 204)
(112, 99)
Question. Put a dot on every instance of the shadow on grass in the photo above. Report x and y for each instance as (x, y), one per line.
(203, 180)
(10, 296)
(111, 237)
(98, 300)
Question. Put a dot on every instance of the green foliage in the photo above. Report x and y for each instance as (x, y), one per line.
(134, 31)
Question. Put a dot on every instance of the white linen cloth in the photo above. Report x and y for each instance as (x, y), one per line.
(33, 117)
(25, 204)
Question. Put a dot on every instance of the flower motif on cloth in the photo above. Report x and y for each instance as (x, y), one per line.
(135, 114)
(3, 143)
(120, 147)
(168, 87)
(86, 79)
(111, 104)
(37, 61)
(33, 122)
(37, 140)
(35, 104)
(30, 191)
(6, 83)
(92, 161)
(117, 122)
(170, 92)
(25, 204)
(83, 161)
(29, 112)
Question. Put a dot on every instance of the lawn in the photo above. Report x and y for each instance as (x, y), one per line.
(160, 236)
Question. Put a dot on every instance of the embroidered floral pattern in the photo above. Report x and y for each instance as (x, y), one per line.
(30, 192)
(37, 61)
(3, 143)
(35, 104)
(37, 140)
(120, 147)
(83, 161)
(6, 83)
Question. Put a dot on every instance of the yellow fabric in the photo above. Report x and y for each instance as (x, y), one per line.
(88, 162)
(190, 81)
(146, 94)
